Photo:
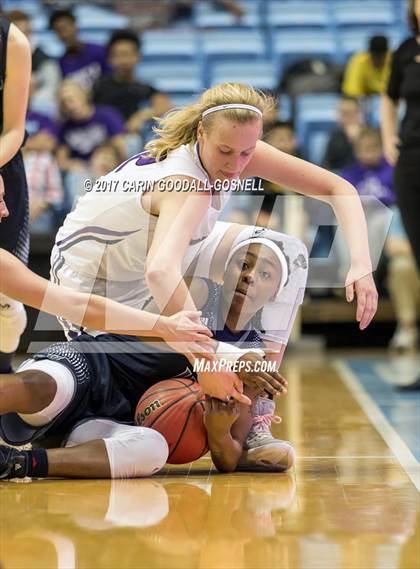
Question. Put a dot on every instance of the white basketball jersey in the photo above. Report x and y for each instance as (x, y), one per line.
(102, 245)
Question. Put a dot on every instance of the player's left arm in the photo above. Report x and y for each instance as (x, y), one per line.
(310, 180)
(15, 94)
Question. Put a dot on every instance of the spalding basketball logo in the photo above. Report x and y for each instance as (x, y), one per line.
(149, 409)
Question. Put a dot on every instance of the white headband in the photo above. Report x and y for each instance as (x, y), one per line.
(276, 250)
(232, 106)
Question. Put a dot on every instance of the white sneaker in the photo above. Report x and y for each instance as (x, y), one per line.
(262, 451)
(405, 338)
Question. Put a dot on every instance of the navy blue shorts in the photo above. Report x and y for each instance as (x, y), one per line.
(111, 373)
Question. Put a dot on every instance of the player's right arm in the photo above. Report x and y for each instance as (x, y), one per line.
(179, 215)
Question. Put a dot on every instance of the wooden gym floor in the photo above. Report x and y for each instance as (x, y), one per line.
(348, 504)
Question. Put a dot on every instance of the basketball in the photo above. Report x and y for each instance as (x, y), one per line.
(175, 409)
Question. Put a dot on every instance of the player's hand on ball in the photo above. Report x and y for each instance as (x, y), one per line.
(223, 385)
(219, 416)
(271, 382)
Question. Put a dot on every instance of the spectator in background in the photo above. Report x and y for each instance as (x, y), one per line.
(265, 212)
(104, 159)
(137, 102)
(83, 62)
(45, 71)
(282, 136)
(367, 71)
(46, 194)
(350, 122)
(83, 128)
(372, 176)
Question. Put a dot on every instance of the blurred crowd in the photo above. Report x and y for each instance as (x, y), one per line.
(89, 111)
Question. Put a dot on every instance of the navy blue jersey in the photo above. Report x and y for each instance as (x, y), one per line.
(248, 338)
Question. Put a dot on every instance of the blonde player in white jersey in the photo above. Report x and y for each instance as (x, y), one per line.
(129, 244)
(134, 234)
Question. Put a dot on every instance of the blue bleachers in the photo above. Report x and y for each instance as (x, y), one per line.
(205, 15)
(233, 44)
(290, 46)
(316, 145)
(314, 113)
(255, 49)
(31, 7)
(260, 74)
(98, 36)
(48, 41)
(298, 13)
(169, 44)
(366, 12)
(92, 17)
(356, 39)
(172, 77)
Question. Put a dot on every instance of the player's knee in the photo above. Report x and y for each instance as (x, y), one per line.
(39, 385)
(52, 386)
(136, 452)
(12, 323)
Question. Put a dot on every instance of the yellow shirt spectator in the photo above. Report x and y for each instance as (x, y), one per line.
(367, 72)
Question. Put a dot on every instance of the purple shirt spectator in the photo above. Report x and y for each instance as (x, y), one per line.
(37, 122)
(372, 181)
(86, 65)
(82, 137)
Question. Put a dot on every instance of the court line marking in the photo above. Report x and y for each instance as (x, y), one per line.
(396, 444)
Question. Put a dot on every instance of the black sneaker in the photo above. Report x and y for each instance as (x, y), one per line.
(13, 463)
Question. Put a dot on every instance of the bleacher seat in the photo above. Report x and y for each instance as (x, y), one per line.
(357, 39)
(363, 12)
(233, 44)
(206, 15)
(260, 74)
(172, 77)
(48, 41)
(290, 46)
(314, 113)
(317, 144)
(295, 13)
(31, 7)
(99, 37)
(39, 22)
(95, 17)
(285, 108)
(183, 99)
(169, 44)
